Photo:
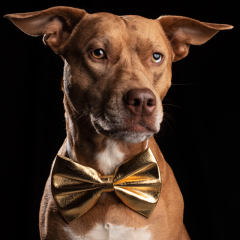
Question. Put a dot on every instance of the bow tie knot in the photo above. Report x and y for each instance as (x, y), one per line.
(107, 183)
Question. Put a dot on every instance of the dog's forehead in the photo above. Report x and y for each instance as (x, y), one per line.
(113, 27)
(105, 22)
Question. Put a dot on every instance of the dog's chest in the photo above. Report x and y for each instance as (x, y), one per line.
(109, 158)
(109, 231)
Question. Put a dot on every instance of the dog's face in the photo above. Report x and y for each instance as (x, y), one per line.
(111, 61)
(117, 68)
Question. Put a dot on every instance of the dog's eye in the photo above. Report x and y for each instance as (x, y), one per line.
(98, 53)
(156, 57)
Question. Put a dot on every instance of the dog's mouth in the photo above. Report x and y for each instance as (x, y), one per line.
(137, 128)
(136, 131)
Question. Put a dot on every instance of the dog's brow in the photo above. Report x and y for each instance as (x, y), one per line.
(101, 41)
(148, 44)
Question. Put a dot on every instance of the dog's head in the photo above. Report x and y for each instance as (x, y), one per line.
(117, 68)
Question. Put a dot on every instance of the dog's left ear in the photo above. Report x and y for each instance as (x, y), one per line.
(183, 32)
(56, 24)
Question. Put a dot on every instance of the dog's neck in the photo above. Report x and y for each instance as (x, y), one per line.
(92, 149)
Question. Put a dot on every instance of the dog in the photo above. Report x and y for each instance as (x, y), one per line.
(117, 70)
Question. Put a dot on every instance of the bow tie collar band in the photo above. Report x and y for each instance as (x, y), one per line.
(77, 188)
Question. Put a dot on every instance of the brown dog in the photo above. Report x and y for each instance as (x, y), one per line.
(116, 74)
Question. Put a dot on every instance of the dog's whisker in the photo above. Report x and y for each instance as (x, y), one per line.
(88, 119)
(170, 117)
(165, 120)
(162, 130)
(169, 100)
(99, 114)
(161, 133)
(183, 84)
(170, 109)
(84, 113)
(80, 106)
(168, 104)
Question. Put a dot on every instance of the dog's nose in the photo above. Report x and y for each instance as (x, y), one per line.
(140, 101)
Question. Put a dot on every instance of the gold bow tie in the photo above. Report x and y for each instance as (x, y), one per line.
(77, 188)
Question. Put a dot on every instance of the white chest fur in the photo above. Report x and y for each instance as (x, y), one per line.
(112, 232)
(109, 158)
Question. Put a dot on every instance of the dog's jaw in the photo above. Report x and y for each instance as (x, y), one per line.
(127, 136)
(129, 133)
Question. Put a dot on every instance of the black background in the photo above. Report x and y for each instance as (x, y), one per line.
(200, 140)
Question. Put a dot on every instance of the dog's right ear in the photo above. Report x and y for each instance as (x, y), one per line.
(56, 24)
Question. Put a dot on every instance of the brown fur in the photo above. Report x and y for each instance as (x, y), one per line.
(93, 92)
